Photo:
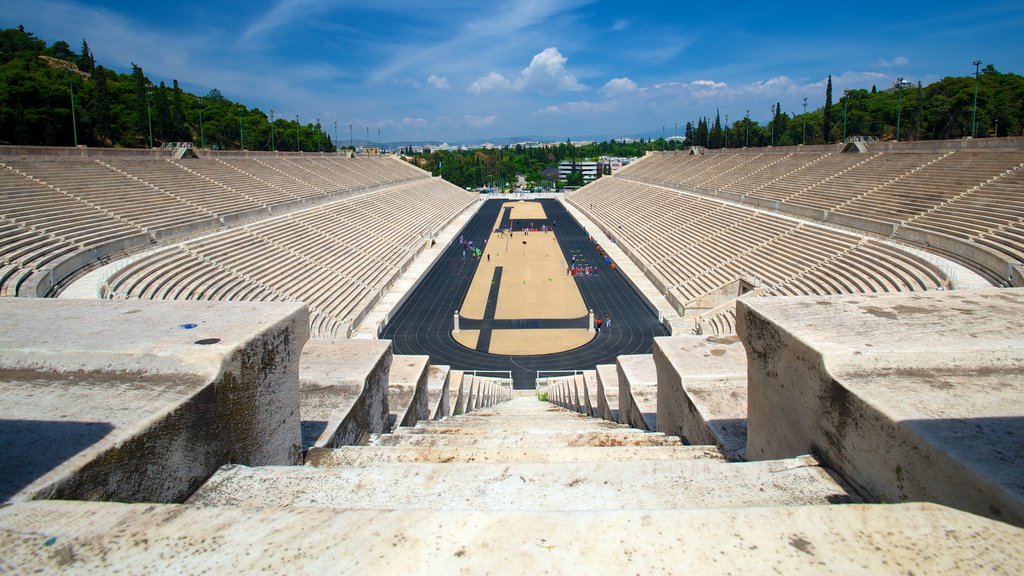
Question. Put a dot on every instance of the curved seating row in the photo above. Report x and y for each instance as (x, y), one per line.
(973, 195)
(336, 257)
(694, 245)
(83, 208)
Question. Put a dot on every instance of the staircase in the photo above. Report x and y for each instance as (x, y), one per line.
(523, 455)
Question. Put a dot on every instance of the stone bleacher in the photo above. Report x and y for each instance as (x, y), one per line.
(337, 257)
(963, 204)
(691, 245)
(61, 215)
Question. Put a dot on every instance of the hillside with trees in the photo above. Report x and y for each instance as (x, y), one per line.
(38, 84)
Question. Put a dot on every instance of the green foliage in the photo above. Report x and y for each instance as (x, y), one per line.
(543, 396)
(115, 109)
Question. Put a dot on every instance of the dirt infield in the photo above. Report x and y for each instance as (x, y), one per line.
(533, 285)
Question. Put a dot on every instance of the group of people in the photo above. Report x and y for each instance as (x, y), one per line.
(469, 250)
(581, 271)
(598, 324)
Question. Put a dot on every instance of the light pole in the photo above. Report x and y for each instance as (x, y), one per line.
(772, 121)
(335, 136)
(273, 144)
(350, 144)
(241, 131)
(367, 145)
(380, 142)
(899, 105)
(803, 139)
(726, 130)
(149, 115)
(202, 134)
(746, 140)
(298, 128)
(974, 111)
(318, 135)
(74, 123)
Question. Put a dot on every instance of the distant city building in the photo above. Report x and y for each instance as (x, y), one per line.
(589, 168)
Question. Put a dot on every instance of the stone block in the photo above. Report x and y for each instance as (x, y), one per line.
(702, 391)
(344, 390)
(638, 391)
(909, 397)
(142, 401)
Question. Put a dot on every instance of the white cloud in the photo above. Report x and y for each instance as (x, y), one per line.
(546, 74)
(620, 25)
(579, 107)
(414, 122)
(492, 81)
(439, 82)
(897, 61)
(480, 121)
(547, 71)
(617, 86)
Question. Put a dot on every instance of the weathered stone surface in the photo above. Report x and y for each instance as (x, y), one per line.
(408, 401)
(344, 390)
(92, 538)
(638, 391)
(702, 391)
(607, 392)
(917, 397)
(612, 485)
(528, 440)
(142, 401)
(439, 396)
(366, 455)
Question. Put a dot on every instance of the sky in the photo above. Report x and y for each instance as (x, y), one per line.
(454, 70)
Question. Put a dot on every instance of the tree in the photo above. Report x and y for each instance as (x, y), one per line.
(178, 130)
(100, 108)
(826, 124)
(141, 104)
(86, 62)
(575, 178)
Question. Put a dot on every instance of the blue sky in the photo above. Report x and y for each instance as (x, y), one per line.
(454, 70)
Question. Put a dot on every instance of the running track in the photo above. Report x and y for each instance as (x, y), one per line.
(423, 324)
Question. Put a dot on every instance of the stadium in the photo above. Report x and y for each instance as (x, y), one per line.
(424, 304)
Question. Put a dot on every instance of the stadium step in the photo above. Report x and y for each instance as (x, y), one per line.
(523, 454)
(647, 485)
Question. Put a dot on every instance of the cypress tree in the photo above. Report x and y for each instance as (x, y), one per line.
(178, 130)
(826, 126)
(86, 62)
(101, 106)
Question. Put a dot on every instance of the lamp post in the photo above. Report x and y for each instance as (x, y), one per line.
(241, 131)
(367, 145)
(318, 135)
(202, 134)
(974, 111)
(899, 105)
(273, 144)
(298, 128)
(726, 130)
(74, 123)
(772, 121)
(803, 139)
(350, 144)
(746, 140)
(380, 142)
(335, 136)
(149, 115)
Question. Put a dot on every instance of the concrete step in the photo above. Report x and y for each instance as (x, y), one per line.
(527, 440)
(648, 485)
(106, 538)
(367, 455)
(525, 426)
